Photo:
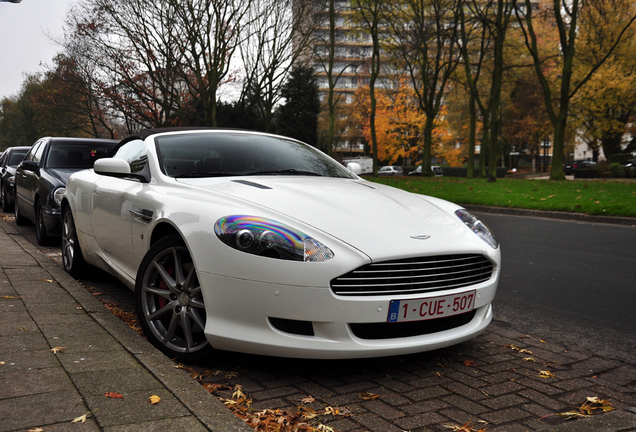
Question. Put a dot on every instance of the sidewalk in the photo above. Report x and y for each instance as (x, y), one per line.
(43, 310)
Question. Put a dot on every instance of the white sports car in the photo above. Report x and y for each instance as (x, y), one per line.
(257, 243)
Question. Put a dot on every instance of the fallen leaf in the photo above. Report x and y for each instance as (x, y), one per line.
(81, 419)
(331, 411)
(1, 363)
(307, 400)
(47, 280)
(238, 393)
(113, 395)
(36, 430)
(154, 399)
(7, 297)
(571, 415)
(530, 359)
(368, 396)
(546, 374)
(464, 428)
(437, 373)
(469, 363)
(57, 350)
(212, 387)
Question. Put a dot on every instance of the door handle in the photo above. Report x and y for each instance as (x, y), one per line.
(144, 214)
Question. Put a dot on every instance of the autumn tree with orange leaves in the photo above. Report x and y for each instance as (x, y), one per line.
(400, 127)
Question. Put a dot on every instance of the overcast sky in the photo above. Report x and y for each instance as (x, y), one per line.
(24, 44)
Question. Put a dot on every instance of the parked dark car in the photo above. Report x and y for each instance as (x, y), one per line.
(42, 176)
(8, 164)
(569, 168)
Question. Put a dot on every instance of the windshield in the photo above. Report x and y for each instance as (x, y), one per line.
(217, 154)
(77, 154)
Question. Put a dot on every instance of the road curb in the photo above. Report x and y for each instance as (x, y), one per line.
(578, 217)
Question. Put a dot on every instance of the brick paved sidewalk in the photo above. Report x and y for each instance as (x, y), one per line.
(493, 381)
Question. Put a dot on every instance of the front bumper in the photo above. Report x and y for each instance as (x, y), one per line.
(52, 221)
(240, 312)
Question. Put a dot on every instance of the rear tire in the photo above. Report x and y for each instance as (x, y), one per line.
(19, 219)
(169, 301)
(6, 207)
(72, 257)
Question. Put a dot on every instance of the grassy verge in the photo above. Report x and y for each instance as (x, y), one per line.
(610, 198)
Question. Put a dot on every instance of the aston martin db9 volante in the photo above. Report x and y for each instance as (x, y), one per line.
(257, 243)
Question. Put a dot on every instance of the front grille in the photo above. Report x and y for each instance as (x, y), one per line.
(414, 275)
(376, 331)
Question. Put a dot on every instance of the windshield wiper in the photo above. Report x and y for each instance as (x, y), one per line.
(287, 171)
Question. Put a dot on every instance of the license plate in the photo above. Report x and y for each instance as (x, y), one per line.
(431, 308)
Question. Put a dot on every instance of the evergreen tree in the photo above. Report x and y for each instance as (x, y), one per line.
(298, 117)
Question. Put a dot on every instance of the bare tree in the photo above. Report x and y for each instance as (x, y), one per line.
(373, 16)
(211, 35)
(276, 34)
(157, 62)
(565, 15)
(426, 33)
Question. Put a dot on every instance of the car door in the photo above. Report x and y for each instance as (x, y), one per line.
(114, 211)
(27, 180)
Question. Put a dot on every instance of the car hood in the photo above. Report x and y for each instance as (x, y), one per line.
(378, 220)
(61, 175)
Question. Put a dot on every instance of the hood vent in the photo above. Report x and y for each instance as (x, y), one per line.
(249, 183)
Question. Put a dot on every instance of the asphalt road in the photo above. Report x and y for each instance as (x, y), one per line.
(570, 282)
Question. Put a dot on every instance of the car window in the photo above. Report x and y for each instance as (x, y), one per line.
(133, 152)
(240, 154)
(35, 154)
(76, 154)
(16, 157)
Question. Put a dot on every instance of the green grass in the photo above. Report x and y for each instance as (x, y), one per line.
(603, 197)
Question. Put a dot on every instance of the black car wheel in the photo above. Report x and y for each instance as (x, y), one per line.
(40, 229)
(170, 304)
(72, 257)
(19, 219)
(6, 207)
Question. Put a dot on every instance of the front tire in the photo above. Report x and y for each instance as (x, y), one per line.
(169, 301)
(72, 257)
(40, 228)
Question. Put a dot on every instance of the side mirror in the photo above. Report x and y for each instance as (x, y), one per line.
(29, 165)
(354, 168)
(111, 166)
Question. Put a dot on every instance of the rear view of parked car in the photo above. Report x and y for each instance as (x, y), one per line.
(42, 176)
(8, 164)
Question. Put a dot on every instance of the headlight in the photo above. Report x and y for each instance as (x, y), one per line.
(478, 227)
(266, 237)
(58, 194)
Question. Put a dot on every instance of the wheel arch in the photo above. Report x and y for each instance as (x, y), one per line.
(161, 230)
